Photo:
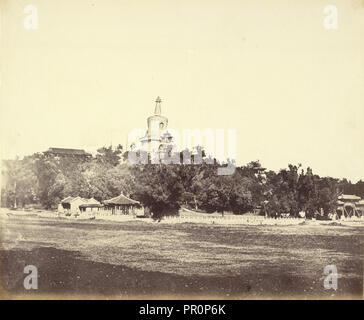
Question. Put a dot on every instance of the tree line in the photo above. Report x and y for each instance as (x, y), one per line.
(42, 180)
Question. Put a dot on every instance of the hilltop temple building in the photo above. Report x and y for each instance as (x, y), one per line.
(67, 153)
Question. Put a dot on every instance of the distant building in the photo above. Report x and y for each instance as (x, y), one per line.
(75, 205)
(91, 206)
(123, 205)
(65, 152)
(349, 205)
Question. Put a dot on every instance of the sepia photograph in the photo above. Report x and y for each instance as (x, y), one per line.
(182, 150)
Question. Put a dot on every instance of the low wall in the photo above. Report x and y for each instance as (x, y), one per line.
(231, 219)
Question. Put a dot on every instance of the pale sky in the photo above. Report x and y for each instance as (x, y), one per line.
(90, 73)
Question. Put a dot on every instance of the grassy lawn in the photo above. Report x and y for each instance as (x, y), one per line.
(136, 259)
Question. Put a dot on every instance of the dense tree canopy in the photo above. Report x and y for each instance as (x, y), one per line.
(44, 180)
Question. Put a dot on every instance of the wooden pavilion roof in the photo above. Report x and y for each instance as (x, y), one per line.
(121, 200)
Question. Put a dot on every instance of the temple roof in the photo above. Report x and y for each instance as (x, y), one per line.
(346, 197)
(71, 199)
(121, 200)
(67, 151)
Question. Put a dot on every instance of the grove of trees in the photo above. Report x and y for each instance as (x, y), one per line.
(42, 180)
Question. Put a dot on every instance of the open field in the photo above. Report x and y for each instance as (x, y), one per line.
(136, 258)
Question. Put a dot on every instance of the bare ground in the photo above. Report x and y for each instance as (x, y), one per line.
(138, 259)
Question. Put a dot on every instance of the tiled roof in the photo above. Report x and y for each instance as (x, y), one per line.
(67, 151)
(86, 201)
(349, 197)
(121, 200)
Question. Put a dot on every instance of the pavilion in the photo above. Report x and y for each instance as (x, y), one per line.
(123, 205)
(349, 205)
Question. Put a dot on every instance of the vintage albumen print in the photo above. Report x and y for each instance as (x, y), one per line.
(182, 149)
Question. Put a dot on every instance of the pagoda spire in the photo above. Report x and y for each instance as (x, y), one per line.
(158, 109)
